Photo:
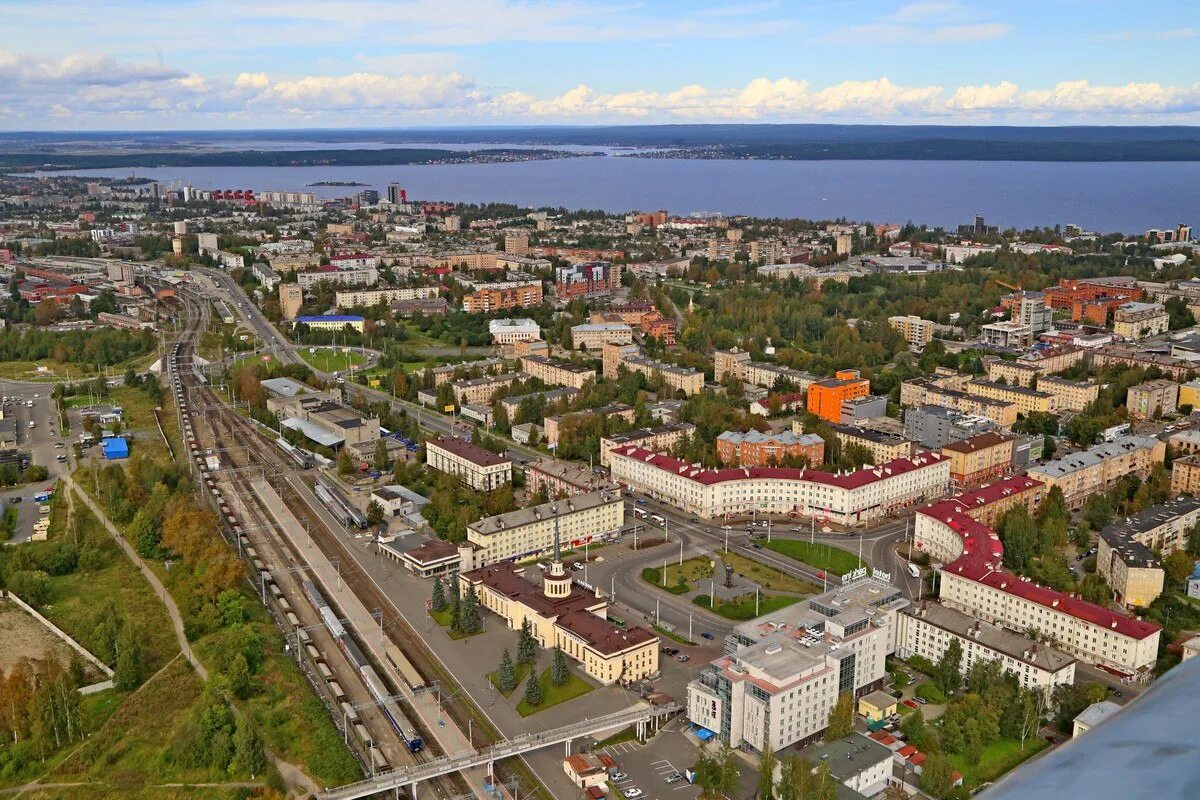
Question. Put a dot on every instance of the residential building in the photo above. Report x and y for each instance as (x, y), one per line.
(1092, 716)
(516, 243)
(547, 398)
(562, 479)
(1027, 401)
(1017, 373)
(1130, 553)
(480, 469)
(1030, 309)
(985, 505)
(1069, 395)
(291, 298)
(678, 379)
(612, 356)
(593, 336)
(928, 628)
(557, 373)
(500, 296)
(778, 404)
(562, 615)
(916, 331)
(332, 322)
(1185, 441)
(1152, 399)
(973, 581)
(1189, 394)
(933, 427)
(927, 392)
(529, 532)
(757, 449)
(330, 274)
(782, 673)
(766, 251)
(587, 279)
(659, 439)
(849, 499)
(1007, 335)
(612, 411)
(508, 331)
(355, 298)
(1080, 475)
(884, 446)
(1136, 321)
(482, 390)
(825, 397)
(737, 363)
(1185, 475)
(979, 459)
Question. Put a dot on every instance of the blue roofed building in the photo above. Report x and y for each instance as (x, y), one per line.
(115, 447)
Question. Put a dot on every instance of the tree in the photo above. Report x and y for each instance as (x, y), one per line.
(534, 694)
(918, 733)
(469, 620)
(559, 673)
(374, 513)
(248, 755)
(526, 644)
(766, 774)
(937, 776)
(841, 717)
(345, 465)
(437, 601)
(1178, 566)
(127, 675)
(238, 676)
(381, 455)
(948, 673)
(506, 676)
(717, 773)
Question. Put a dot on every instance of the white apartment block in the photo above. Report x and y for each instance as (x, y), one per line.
(783, 672)
(928, 628)
(529, 532)
(340, 277)
(480, 469)
(594, 335)
(356, 261)
(507, 331)
(354, 298)
(851, 499)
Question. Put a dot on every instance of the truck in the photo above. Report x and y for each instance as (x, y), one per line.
(912, 570)
(1116, 432)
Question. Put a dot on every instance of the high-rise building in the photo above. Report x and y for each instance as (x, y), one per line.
(396, 194)
(290, 299)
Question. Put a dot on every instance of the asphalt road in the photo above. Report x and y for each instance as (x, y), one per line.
(39, 441)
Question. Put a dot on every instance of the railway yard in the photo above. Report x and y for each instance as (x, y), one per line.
(395, 710)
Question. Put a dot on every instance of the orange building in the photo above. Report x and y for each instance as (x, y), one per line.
(497, 296)
(825, 397)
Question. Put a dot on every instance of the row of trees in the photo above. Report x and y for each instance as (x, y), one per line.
(465, 617)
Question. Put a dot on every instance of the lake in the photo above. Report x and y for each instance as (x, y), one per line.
(1106, 196)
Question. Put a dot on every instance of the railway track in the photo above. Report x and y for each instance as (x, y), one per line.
(209, 424)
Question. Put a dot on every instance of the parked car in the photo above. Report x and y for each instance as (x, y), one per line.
(910, 704)
(682, 658)
(14, 500)
(921, 700)
(670, 651)
(617, 775)
(674, 777)
(632, 792)
(756, 546)
(706, 635)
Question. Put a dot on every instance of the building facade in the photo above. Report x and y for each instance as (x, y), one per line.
(557, 373)
(757, 449)
(1083, 474)
(529, 532)
(1152, 399)
(1129, 555)
(979, 459)
(480, 469)
(825, 397)
(500, 296)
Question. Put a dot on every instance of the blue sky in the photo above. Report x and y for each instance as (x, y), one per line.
(231, 63)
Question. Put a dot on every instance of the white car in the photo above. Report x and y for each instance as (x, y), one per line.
(631, 793)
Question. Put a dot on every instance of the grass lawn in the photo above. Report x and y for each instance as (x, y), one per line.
(575, 687)
(678, 577)
(767, 577)
(522, 674)
(673, 636)
(743, 608)
(328, 360)
(627, 735)
(903, 710)
(443, 618)
(998, 758)
(822, 556)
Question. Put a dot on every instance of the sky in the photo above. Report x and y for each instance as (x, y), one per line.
(215, 64)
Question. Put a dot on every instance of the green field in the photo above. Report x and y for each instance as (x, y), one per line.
(767, 577)
(326, 359)
(522, 674)
(998, 758)
(679, 577)
(821, 556)
(743, 607)
(575, 687)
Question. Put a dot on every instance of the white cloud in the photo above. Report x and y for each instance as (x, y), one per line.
(94, 88)
(925, 22)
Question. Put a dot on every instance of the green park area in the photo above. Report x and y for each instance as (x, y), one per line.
(328, 359)
(833, 560)
(553, 695)
(678, 578)
(767, 577)
(746, 606)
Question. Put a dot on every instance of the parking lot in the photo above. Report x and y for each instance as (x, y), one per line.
(647, 771)
(41, 441)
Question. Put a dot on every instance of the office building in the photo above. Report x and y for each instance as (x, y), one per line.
(480, 469)
(508, 331)
(333, 322)
(1030, 309)
(825, 397)
(933, 427)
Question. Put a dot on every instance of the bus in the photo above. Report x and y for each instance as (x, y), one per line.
(640, 513)
(912, 570)
(658, 520)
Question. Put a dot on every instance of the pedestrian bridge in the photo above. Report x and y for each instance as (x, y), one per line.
(408, 777)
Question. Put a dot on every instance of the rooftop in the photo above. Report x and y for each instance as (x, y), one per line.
(1014, 645)
(785, 438)
(465, 450)
(981, 442)
(848, 756)
(1089, 458)
(546, 511)
(1122, 537)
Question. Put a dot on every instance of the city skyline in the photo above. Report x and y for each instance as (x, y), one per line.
(211, 64)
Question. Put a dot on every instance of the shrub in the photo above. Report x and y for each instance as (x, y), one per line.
(929, 691)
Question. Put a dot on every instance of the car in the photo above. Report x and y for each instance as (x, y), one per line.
(910, 703)
(58, 445)
(706, 635)
(797, 530)
(617, 776)
(1118, 693)
(693, 520)
(639, 502)
(1079, 557)
(683, 657)
(632, 791)
(14, 500)
(921, 700)
(61, 457)
(670, 651)
(756, 546)
(674, 777)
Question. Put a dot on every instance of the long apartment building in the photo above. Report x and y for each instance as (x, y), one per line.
(737, 363)
(594, 335)
(557, 373)
(480, 469)
(782, 673)
(1130, 552)
(353, 276)
(850, 499)
(529, 532)
(482, 390)
(927, 629)
(1136, 321)
(1027, 401)
(660, 438)
(974, 581)
(757, 449)
(934, 392)
(500, 296)
(680, 379)
(1080, 475)
(559, 478)
(884, 446)
(979, 459)
(1069, 395)
(354, 298)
